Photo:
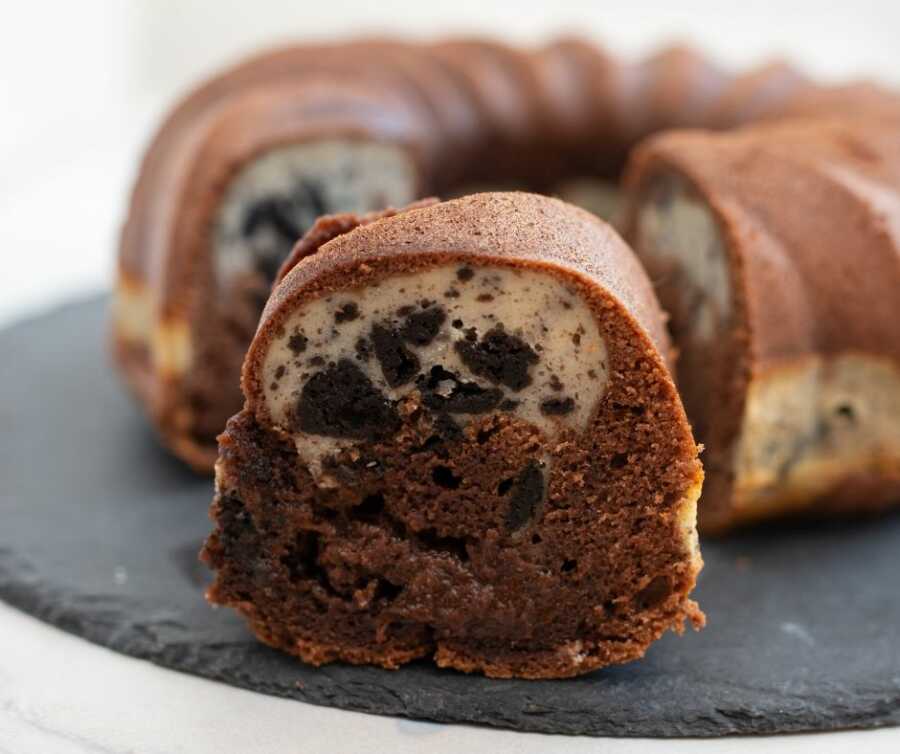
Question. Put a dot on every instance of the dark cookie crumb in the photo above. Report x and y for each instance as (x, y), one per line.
(341, 401)
(317, 361)
(451, 293)
(465, 274)
(363, 349)
(420, 328)
(347, 312)
(846, 412)
(557, 406)
(284, 218)
(527, 494)
(555, 383)
(279, 373)
(457, 324)
(278, 215)
(297, 343)
(398, 364)
(443, 391)
(500, 357)
(509, 405)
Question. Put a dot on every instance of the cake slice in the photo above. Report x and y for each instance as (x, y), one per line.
(776, 250)
(461, 440)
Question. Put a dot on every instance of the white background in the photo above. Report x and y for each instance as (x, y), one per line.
(83, 83)
(81, 86)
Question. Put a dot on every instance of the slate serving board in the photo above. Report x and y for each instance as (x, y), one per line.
(99, 531)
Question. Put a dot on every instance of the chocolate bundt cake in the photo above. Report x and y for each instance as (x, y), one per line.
(776, 251)
(246, 163)
(460, 440)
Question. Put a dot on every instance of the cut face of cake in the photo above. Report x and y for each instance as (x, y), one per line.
(469, 340)
(278, 196)
(775, 252)
(460, 441)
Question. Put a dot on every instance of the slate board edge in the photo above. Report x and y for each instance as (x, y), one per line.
(22, 586)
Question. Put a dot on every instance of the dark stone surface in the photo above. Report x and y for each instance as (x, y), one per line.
(100, 528)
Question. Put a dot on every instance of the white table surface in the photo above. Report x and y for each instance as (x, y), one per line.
(81, 85)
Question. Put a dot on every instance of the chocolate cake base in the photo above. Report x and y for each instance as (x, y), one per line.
(101, 529)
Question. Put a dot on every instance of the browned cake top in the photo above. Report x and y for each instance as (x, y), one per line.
(810, 206)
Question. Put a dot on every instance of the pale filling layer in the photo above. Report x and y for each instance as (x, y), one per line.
(277, 197)
(680, 245)
(683, 249)
(168, 340)
(813, 422)
(133, 310)
(468, 339)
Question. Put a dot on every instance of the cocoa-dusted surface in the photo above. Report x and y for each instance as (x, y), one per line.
(800, 621)
(489, 548)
